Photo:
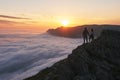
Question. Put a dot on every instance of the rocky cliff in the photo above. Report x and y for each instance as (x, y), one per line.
(98, 60)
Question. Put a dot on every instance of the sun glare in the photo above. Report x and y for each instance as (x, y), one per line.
(65, 22)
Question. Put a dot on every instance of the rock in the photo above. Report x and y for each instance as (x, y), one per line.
(98, 60)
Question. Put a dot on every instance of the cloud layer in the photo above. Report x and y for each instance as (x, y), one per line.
(12, 17)
(22, 56)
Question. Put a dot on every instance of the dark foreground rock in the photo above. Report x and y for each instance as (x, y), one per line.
(98, 60)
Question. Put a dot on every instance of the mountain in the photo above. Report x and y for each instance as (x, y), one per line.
(75, 32)
(98, 60)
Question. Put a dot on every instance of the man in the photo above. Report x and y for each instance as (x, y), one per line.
(85, 35)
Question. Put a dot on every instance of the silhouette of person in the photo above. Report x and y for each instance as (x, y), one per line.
(85, 35)
(91, 37)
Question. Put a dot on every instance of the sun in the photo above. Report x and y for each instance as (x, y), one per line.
(64, 22)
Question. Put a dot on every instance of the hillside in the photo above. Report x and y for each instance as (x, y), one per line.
(98, 60)
(75, 32)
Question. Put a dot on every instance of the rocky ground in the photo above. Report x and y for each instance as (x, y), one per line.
(98, 60)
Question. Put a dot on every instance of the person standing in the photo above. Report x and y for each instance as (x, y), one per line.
(85, 35)
(91, 37)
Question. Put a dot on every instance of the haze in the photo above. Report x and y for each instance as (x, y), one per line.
(40, 15)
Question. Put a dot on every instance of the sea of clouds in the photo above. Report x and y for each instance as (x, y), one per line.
(22, 56)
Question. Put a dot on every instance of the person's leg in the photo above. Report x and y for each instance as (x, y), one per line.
(83, 39)
(89, 39)
(86, 39)
(92, 37)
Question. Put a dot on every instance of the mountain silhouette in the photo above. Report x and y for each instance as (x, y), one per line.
(76, 32)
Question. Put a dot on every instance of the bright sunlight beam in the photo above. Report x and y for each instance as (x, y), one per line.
(64, 22)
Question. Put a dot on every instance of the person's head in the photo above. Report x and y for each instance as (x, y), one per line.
(92, 29)
(85, 28)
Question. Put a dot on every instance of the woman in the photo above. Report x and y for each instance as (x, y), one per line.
(91, 37)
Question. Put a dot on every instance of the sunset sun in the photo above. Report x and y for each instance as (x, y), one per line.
(64, 22)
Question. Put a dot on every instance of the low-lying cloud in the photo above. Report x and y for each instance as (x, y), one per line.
(31, 54)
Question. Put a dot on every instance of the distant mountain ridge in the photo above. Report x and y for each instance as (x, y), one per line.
(75, 32)
(98, 60)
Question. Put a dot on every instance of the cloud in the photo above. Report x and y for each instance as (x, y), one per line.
(12, 17)
(27, 55)
(7, 22)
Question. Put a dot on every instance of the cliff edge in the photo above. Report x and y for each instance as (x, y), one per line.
(98, 60)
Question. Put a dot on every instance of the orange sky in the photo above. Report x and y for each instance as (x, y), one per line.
(41, 15)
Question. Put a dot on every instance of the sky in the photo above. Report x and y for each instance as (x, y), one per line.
(45, 14)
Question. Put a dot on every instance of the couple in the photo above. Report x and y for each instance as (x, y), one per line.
(88, 36)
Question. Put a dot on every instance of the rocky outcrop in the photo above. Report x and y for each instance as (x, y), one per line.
(75, 32)
(98, 60)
